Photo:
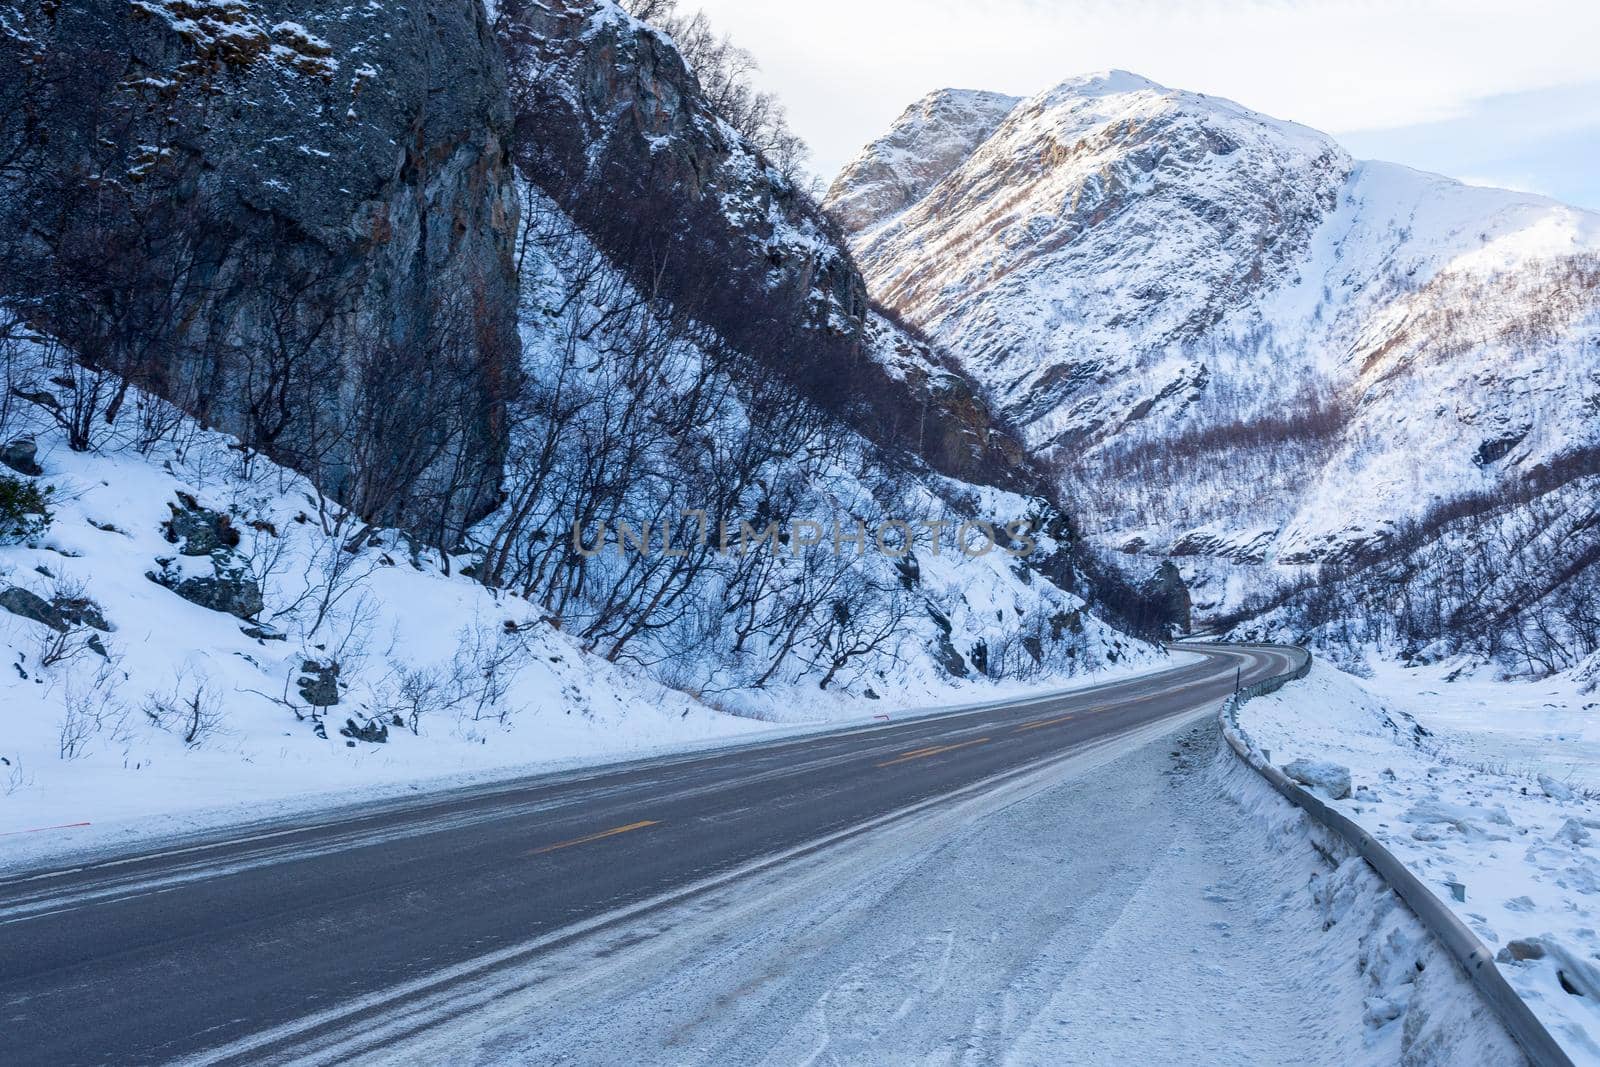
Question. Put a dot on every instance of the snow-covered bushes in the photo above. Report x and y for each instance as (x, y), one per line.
(361, 655)
(1510, 575)
(122, 697)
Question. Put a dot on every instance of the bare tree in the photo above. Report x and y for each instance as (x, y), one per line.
(191, 709)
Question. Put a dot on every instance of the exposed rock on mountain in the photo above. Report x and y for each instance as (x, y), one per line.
(933, 137)
(1101, 226)
(613, 124)
(291, 220)
(305, 227)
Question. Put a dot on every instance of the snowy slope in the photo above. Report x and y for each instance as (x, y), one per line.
(1243, 346)
(1086, 234)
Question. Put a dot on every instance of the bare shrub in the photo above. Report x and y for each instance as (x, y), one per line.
(191, 709)
(334, 570)
(12, 776)
(91, 708)
(80, 617)
(409, 693)
(76, 728)
(480, 675)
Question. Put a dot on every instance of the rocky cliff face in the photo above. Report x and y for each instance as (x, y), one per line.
(933, 137)
(613, 125)
(283, 216)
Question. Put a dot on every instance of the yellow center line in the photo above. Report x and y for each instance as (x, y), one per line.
(1042, 722)
(1034, 725)
(925, 753)
(614, 831)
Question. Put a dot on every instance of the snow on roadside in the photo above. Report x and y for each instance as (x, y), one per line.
(1550, 726)
(80, 740)
(1513, 849)
(999, 929)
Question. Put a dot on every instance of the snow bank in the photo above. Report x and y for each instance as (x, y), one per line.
(1417, 1005)
(1513, 856)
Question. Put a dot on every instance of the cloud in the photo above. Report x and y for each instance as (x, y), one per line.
(846, 68)
(1545, 141)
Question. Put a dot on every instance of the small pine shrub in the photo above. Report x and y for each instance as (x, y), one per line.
(24, 510)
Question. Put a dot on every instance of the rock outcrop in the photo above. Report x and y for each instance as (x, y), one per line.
(932, 138)
(295, 222)
(22, 456)
(1170, 598)
(613, 125)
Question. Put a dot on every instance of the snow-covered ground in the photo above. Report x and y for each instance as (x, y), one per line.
(81, 736)
(1551, 726)
(200, 637)
(998, 929)
(1485, 790)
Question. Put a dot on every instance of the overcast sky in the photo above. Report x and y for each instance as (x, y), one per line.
(1497, 93)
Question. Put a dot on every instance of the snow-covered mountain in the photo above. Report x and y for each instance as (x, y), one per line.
(1099, 224)
(1241, 345)
(930, 140)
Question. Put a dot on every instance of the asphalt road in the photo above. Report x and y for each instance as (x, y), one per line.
(232, 948)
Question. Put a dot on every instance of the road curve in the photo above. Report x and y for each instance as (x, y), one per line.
(217, 950)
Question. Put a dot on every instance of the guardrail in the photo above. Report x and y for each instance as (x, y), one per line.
(1473, 955)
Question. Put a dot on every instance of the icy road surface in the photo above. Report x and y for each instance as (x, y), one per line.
(1142, 903)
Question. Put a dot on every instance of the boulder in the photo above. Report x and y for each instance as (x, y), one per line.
(1473, 822)
(1521, 949)
(19, 601)
(199, 531)
(1555, 790)
(945, 654)
(233, 595)
(319, 683)
(81, 611)
(20, 456)
(375, 732)
(1329, 779)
